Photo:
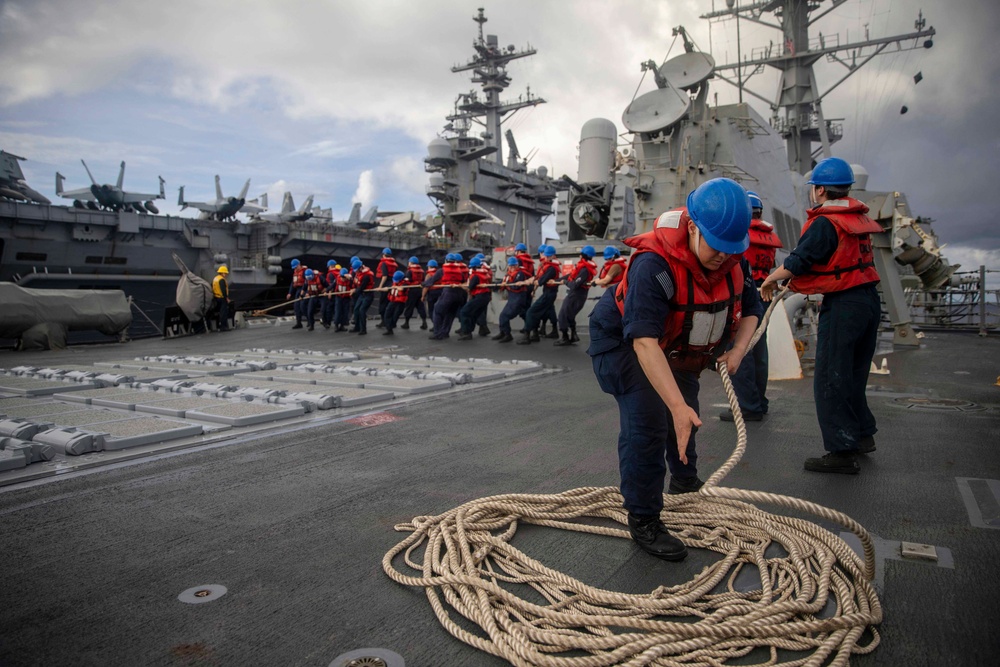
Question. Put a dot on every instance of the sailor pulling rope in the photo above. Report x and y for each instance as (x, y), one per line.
(465, 561)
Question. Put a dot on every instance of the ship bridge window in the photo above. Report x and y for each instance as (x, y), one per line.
(32, 256)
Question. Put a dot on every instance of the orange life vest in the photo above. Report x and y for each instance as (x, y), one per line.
(617, 261)
(416, 275)
(763, 245)
(584, 263)
(511, 277)
(299, 276)
(397, 294)
(313, 286)
(484, 281)
(451, 273)
(527, 263)
(344, 285)
(706, 306)
(853, 262)
(385, 268)
(360, 275)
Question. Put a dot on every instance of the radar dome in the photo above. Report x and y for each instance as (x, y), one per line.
(860, 177)
(439, 148)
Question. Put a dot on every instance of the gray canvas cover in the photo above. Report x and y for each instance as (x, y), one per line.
(106, 311)
(194, 294)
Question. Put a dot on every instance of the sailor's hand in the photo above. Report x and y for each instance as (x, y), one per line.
(732, 358)
(767, 288)
(686, 422)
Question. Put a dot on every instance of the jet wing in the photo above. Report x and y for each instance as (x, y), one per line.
(251, 208)
(136, 197)
(83, 194)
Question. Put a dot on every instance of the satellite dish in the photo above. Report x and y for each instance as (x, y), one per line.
(688, 70)
(656, 110)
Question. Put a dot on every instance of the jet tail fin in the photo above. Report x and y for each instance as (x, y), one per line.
(306, 205)
(288, 204)
(59, 184)
(180, 198)
(355, 215)
(243, 192)
(88, 172)
(163, 195)
(218, 188)
(121, 175)
(371, 215)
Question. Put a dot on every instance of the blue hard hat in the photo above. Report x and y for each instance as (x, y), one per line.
(397, 276)
(295, 263)
(755, 200)
(550, 251)
(520, 247)
(356, 264)
(309, 273)
(610, 252)
(354, 258)
(512, 261)
(720, 209)
(331, 262)
(480, 255)
(588, 251)
(386, 251)
(432, 264)
(414, 260)
(475, 262)
(832, 171)
(344, 272)
(541, 249)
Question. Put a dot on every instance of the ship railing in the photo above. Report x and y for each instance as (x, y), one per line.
(971, 305)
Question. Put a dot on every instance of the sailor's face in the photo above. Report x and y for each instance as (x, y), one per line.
(710, 258)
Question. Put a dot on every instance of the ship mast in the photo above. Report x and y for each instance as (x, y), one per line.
(489, 67)
(798, 95)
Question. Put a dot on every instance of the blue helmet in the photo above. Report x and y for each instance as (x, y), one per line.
(755, 200)
(832, 171)
(541, 249)
(414, 260)
(475, 262)
(386, 251)
(397, 276)
(432, 264)
(588, 251)
(480, 255)
(550, 251)
(610, 252)
(720, 209)
(520, 247)
(356, 264)
(295, 263)
(344, 272)
(309, 274)
(331, 262)
(513, 261)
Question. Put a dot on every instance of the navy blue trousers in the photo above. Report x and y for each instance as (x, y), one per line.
(341, 311)
(327, 309)
(392, 313)
(572, 304)
(647, 444)
(446, 309)
(473, 309)
(517, 305)
(539, 309)
(413, 302)
(750, 379)
(364, 301)
(848, 334)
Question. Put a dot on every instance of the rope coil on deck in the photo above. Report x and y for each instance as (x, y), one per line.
(464, 560)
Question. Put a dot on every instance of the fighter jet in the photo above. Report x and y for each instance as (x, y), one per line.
(288, 212)
(12, 185)
(109, 197)
(224, 208)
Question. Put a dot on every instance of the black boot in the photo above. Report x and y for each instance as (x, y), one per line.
(506, 338)
(573, 338)
(526, 340)
(298, 325)
(405, 325)
(535, 338)
(541, 329)
(564, 340)
(499, 336)
(484, 330)
(553, 334)
(423, 326)
(652, 537)
(843, 462)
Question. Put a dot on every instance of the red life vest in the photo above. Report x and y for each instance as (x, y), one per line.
(344, 285)
(706, 306)
(397, 294)
(853, 262)
(584, 263)
(484, 281)
(763, 244)
(361, 274)
(617, 261)
(299, 276)
(385, 268)
(313, 286)
(544, 266)
(527, 263)
(512, 277)
(331, 279)
(416, 274)
(451, 273)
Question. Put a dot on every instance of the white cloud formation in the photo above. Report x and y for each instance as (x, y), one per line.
(367, 191)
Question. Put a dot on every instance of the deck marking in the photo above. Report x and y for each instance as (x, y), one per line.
(892, 549)
(982, 500)
(373, 419)
(201, 594)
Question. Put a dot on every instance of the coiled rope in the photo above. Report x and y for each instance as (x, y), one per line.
(464, 560)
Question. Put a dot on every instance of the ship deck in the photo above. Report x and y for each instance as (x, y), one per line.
(294, 520)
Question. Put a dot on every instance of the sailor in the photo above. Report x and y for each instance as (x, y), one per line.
(383, 274)
(834, 258)
(578, 284)
(295, 289)
(397, 302)
(687, 291)
(342, 290)
(354, 296)
(414, 276)
(487, 272)
(521, 252)
(432, 291)
(311, 291)
(750, 381)
(220, 297)
(516, 282)
(546, 278)
(479, 298)
(332, 273)
(364, 279)
(613, 270)
(453, 276)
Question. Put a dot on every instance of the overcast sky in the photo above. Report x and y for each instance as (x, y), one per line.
(340, 98)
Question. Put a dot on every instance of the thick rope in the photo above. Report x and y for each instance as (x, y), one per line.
(464, 560)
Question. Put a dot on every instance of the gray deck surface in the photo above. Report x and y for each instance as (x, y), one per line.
(294, 520)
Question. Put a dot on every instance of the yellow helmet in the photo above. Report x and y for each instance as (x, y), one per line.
(338, 267)
(224, 270)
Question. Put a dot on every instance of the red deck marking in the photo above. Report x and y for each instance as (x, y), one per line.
(374, 419)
